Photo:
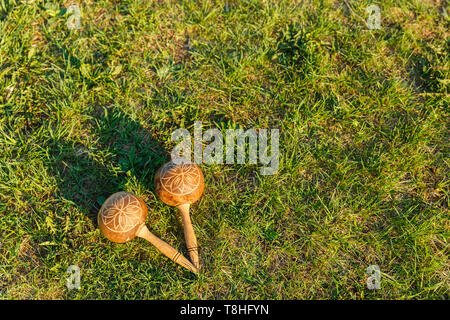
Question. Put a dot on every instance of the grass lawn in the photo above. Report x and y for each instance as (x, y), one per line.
(364, 146)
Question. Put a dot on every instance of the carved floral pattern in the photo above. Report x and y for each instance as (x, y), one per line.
(180, 179)
(122, 213)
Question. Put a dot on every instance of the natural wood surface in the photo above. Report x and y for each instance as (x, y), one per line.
(189, 234)
(166, 249)
(121, 215)
(177, 184)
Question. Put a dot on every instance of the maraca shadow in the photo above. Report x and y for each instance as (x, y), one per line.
(86, 181)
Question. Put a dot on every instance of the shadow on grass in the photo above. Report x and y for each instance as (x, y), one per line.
(123, 153)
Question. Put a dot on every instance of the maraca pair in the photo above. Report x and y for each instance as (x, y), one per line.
(122, 216)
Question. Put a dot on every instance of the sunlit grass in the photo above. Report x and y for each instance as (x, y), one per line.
(363, 120)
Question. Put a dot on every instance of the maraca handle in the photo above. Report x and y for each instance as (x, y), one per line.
(166, 249)
(189, 235)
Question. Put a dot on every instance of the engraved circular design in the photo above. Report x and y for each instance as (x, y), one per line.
(179, 179)
(121, 213)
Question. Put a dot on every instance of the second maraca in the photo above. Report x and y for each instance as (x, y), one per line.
(181, 185)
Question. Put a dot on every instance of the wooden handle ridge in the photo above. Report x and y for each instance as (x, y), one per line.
(189, 235)
(166, 249)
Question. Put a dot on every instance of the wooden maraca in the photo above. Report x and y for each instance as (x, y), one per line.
(122, 217)
(181, 185)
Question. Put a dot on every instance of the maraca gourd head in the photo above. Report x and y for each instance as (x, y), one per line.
(177, 184)
(121, 216)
